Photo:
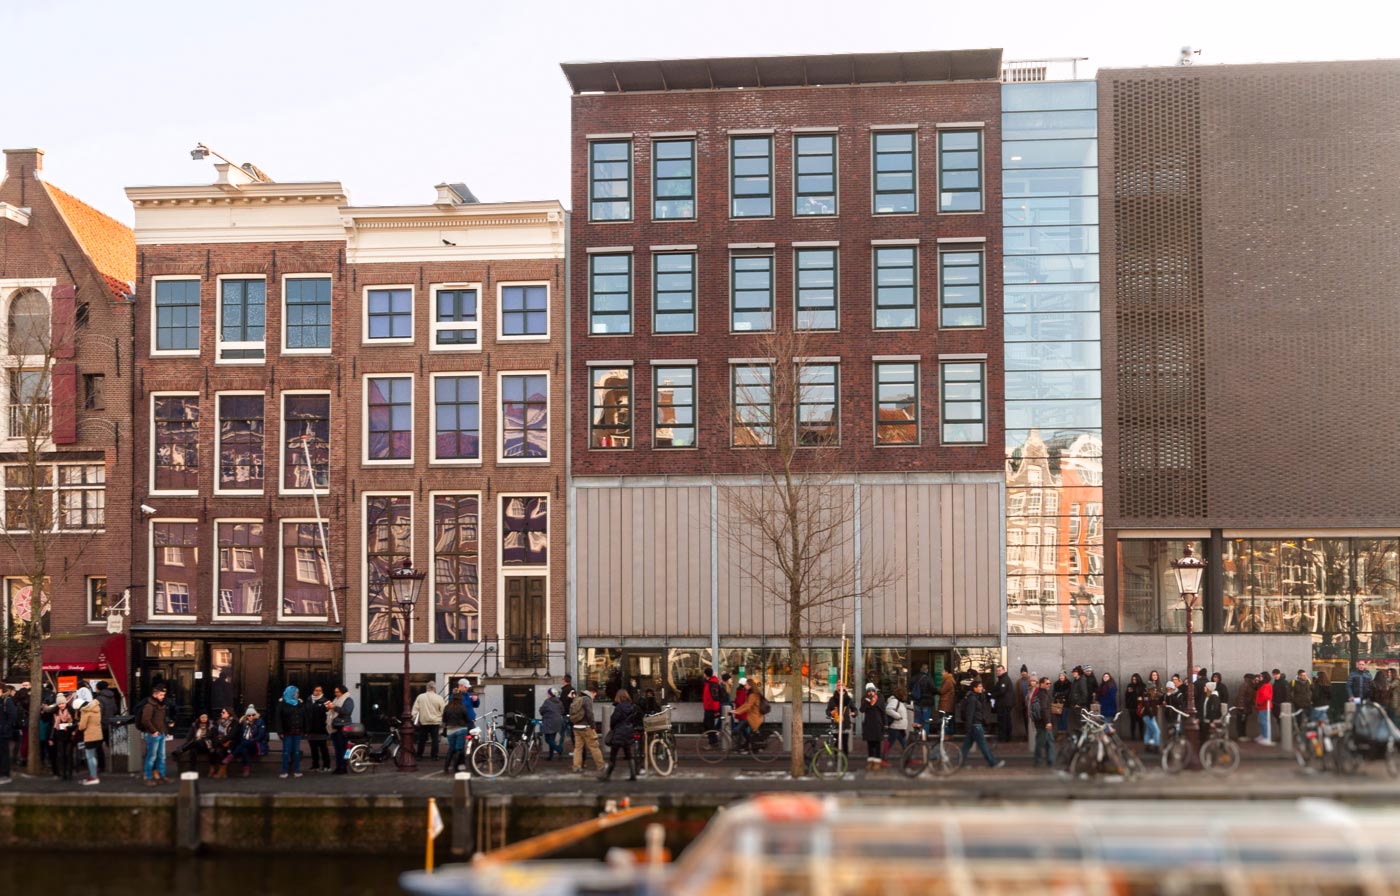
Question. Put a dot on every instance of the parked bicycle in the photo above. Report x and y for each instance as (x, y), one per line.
(487, 753)
(828, 759)
(525, 743)
(658, 742)
(1098, 749)
(1176, 753)
(936, 753)
(1322, 745)
(1219, 754)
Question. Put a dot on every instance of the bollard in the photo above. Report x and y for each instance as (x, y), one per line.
(1285, 726)
(463, 825)
(187, 813)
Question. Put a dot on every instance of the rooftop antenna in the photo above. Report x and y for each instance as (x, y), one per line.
(1186, 53)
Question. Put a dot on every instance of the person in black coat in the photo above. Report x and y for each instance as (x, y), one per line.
(621, 728)
(291, 725)
(872, 726)
(1002, 702)
(976, 713)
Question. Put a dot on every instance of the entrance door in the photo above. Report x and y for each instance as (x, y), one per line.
(239, 676)
(938, 660)
(525, 622)
(178, 678)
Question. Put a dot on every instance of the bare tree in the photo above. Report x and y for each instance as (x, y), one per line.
(791, 506)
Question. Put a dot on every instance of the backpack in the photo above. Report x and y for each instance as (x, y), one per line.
(717, 692)
(764, 707)
(576, 714)
(917, 693)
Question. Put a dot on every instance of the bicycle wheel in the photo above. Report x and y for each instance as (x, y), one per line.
(713, 746)
(946, 759)
(765, 747)
(489, 759)
(1220, 756)
(358, 759)
(1307, 750)
(1131, 761)
(915, 758)
(1085, 762)
(399, 755)
(662, 759)
(1176, 755)
(1392, 759)
(1349, 755)
(829, 762)
(515, 760)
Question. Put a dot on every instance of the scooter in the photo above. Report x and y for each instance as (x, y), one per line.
(362, 754)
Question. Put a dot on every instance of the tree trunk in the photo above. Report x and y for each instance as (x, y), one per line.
(36, 687)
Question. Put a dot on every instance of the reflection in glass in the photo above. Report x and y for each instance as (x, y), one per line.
(388, 530)
(390, 412)
(305, 575)
(176, 439)
(598, 667)
(675, 407)
(525, 530)
(1049, 95)
(525, 416)
(241, 442)
(176, 550)
(456, 567)
(306, 420)
(1149, 600)
(611, 419)
(240, 569)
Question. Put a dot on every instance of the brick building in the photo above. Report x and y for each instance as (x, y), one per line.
(66, 274)
(855, 199)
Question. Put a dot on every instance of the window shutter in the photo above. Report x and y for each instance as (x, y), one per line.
(65, 307)
(65, 403)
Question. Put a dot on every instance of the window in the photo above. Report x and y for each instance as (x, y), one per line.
(610, 293)
(896, 288)
(524, 311)
(673, 292)
(456, 321)
(524, 416)
(674, 405)
(818, 388)
(240, 568)
(673, 179)
(49, 498)
(389, 314)
(610, 180)
(751, 177)
(307, 324)
(306, 442)
(959, 171)
(388, 543)
(611, 422)
(752, 400)
(30, 404)
(305, 574)
(97, 598)
(82, 316)
(897, 403)
(242, 319)
(456, 568)
(94, 392)
(29, 328)
(240, 443)
(751, 288)
(814, 174)
(175, 443)
(176, 318)
(525, 530)
(457, 417)
(896, 178)
(389, 411)
(816, 289)
(175, 566)
(964, 413)
(960, 289)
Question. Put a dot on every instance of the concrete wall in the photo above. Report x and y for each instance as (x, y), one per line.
(1231, 655)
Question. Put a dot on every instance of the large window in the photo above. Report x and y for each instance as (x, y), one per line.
(389, 314)
(611, 412)
(610, 293)
(62, 497)
(388, 543)
(964, 403)
(524, 311)
(30, 331)
(456, 320)
(814, 174)
(525, 530)
(751, 177)
(240, 568)
(896, 288)
(30, 404)
(816, 289)
(610, 180)
(389, 418)
(751, 398)
(1150, 600)
(673, 292)
(751, 290)
(175, 567)
(524, 416)
(960, 171)
(673, 179)
(175, 443)
(307, 314)
(457, 417)
(242, 319)
(177, 316)
(457, 567)
(896, 180)
(897, 403)
(306, 446)
(960, 289)
(818, 402)
(674, 405)
(305, 573)
(240, 448)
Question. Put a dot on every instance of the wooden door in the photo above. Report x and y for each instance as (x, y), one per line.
(525, 622)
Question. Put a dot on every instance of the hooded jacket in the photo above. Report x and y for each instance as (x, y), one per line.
(291, 713)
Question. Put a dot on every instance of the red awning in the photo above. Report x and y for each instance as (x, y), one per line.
(87, 653)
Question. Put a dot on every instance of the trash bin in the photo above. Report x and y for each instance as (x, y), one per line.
(121, 746)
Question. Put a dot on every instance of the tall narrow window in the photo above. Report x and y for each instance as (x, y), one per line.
(175, 443)
(818, 390)
(240, 569)
(307, 303)
(30, 332)
(525, 416)
(94, 391)
(816, 289)
(305, 573)
(388, 543)
(175, 567)
(674, 406)
(457, 417)
(390, 315)
(960, 171)
(751, 177)
(525, 530)
(241, 443)
(964, 403)
(611, 419)
(751, 288)
(610, 294)
(97, 598)
(306, 450)
(752, 402)
(673, 292)
(896, 288)
(610, 180)
(897, 403)
(456, 323)
(456, 567)
(242, 319)
(31, 402)
(814, 174)
(896, 177)
(524, 311)
(389, 413)
(673, 179)
(177, 316)
(960, 290)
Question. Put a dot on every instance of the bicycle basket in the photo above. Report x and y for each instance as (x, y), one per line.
(657, 721)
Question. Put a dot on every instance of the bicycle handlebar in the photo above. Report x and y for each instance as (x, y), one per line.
(1179, 712)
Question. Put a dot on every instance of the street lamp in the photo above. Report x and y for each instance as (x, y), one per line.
(1189, 569)
(405, 583)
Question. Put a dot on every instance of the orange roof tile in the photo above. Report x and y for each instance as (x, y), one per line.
(109, 244)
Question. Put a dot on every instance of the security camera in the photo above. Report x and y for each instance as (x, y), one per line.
(148, 510)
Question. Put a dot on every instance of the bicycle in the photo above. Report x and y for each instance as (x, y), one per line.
(524, 752)
(488, 758)
(658, 743)
(1100, 749)
(828, 760)
(1321, 744)
(764, 745)
(714, 745)
(1176, 755)
(937, 754)
(1219, 754)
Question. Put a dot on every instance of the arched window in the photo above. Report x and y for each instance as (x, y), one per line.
(29, 323)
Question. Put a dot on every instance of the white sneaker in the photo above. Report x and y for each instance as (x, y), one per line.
(88, 781)
(283, 775)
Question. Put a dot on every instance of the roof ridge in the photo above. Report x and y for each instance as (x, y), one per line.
(110, 245)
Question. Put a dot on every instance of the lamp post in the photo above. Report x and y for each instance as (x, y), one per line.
(1189, 569)
(404, 584)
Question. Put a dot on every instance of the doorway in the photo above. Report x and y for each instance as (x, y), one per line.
(525, 622)
(239, 676)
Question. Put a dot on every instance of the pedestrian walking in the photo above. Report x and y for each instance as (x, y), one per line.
(151, 722)
(427, 719)
(1108, 697)
(923, 693)
(896, 719)
(976, 713)
(552, 723)
(585, 736)
(89, 732)
(1132, 703)
(340, 713)
(291, 725)
(621, 728)
(1042, 721)
(1263, 705)
(872, 727)
(457, 725)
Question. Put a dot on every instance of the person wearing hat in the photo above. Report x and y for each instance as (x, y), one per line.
(872, 727)
(151, 722)
(61, 738)
(252, 739)
(89, 731)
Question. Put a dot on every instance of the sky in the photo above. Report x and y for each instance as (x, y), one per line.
(390, 98)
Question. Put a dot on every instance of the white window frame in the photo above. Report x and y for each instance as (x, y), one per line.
(364, 560)
(498, 403)
(151, 574)
(218, 568)
(436, 327)
(281, 563)
(219, 442)
(54, 489)
(433, 459)
(282, 441)
(184, 352)
(306, 351)
(412, 314)
(432, 562)
(87, 600)
(219, 343)
(364, 420)
(548, 311)
(151, 443)
(503, 573)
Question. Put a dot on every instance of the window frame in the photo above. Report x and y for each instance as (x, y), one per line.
(433, 458)
(734, 259)
(364, 560)
(734, 425)
(501, 312)
(981, 171)
(835, 402)
(499, 405)
(978, 249)
(436, 326)
(611, 430)
(875, 192)
(151, 443)
(219, 442)
(943, 365)
(593, 313)
(504, 572)
(283, 436)
(88, 582)
(797, 310)
(285, 349)
(155, 350)
(772, 199)
(694, 179)
(631, 180)
(365, 459)
(365, 338)
(918, 421)
(656, 405)
(220, 345)
(218, 570)
(694, 257)
(192, 595)
(432, 582)
(53, 489)
(282, 523)
(875, 288)
(835, 156)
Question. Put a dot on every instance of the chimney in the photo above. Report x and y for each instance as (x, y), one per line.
(23, 162)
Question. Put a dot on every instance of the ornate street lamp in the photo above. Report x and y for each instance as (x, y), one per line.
(405, 583)
(1189, 569)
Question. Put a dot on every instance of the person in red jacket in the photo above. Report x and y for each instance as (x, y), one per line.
(1263, 702)
(711, 700)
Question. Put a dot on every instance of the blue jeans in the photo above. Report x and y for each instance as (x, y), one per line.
(978, 734)
(923, 717)
(1044, 745)
(457, 740)
(1318, 713)
(155, 755)
(91, 752)
(555, 742)
(291, 753)
(1264, 724)
(1151, 737)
